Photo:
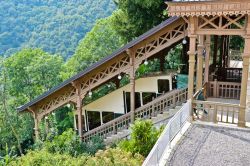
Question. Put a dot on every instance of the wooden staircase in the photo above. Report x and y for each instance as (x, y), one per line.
(160, 110)
(159, 120)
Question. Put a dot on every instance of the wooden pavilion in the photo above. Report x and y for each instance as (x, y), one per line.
(192, 21)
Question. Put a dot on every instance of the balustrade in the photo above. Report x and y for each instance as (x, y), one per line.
(151, 109)
(216, 112)
(227, 90)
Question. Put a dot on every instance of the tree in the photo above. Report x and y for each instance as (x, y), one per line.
(23, 76)
(32, 72)
(52, 25)
(138, 16)
(101, 41)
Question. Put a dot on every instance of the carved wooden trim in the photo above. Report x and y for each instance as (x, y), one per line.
(214, 8)
(121, 64)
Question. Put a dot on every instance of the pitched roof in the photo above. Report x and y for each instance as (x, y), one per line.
(99, 63)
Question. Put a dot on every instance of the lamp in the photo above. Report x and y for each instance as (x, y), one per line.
(90, 93)
(184, 41)
(119, 77)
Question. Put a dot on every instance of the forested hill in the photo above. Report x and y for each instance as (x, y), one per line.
(52, 25)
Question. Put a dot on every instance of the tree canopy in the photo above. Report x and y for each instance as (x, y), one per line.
(101, 41)
(138, 16)
(52, 25)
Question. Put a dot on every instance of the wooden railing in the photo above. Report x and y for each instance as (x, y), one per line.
(216, 112)
(227, 90)
(151, 109)
(229, 74)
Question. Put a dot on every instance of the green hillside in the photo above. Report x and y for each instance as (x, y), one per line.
(52, 25)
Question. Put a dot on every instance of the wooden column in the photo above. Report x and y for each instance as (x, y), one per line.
(132, 84)
(243, 94)
(36, 123)
(36, 127)
(191, 53)
(199, 72)
(79, 108)
(207, 58)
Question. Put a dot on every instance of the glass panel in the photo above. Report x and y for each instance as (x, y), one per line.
(163, 86)
(148, 97)
(137, 100)
(107, 116)
(94, 119)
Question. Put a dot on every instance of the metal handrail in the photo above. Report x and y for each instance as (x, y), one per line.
(171, 130)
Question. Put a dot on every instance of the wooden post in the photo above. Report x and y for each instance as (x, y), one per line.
(36, 123)
(200, 63)
(79, 108)
(191, 53)
(243, 94)
(207, 58)
(132, 84)
(36, 127)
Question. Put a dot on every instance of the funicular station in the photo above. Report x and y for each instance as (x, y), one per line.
(205, 29)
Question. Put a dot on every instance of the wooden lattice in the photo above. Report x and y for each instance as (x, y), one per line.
(121, 64)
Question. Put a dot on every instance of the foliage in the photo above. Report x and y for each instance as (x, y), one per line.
(32, 72)
(45, 158)
(115, 156)
(23, 76)
(101, 41)
(107, 157)
(143, 137)
(69, 143)
(137, 16)
(5, 160)
(55, 26)
(173, 59)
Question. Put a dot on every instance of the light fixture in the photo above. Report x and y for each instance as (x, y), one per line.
(90, 93)
(184, 41)
(146, 62)
(119, 77)
(68, 105)
(109, 85)
(46, 117)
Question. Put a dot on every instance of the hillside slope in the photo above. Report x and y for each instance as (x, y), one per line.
(55, 26)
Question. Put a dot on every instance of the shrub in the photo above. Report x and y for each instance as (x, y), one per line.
(107, 157)
(66, 143)
(143, 137)
(69, 143)
(115, 157)
(96, 143)
(43, 157)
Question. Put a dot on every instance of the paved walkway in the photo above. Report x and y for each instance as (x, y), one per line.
(205, 145)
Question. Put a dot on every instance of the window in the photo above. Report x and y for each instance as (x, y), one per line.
(148, 97)
(94, 119)
(127, 101)
(107, 116)
(163, 86)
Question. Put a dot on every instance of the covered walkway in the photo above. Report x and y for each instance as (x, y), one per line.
(208, 145)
